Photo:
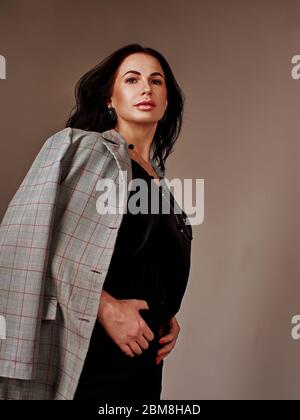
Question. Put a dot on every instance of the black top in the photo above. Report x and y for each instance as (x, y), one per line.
(151, 261)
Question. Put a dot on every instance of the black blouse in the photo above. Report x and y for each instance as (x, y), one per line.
(151, 261)
(155, 254)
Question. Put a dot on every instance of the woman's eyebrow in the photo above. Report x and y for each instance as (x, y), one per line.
(156, 73)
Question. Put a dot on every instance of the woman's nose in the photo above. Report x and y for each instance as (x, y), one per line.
(146, 87)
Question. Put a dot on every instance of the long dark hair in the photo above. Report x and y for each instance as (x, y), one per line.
(94, 90)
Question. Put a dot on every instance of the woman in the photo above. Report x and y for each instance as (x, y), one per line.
(102, 306)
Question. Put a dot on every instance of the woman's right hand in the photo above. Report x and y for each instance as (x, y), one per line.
(123, 323)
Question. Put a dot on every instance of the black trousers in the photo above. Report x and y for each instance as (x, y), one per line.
(135, 385)
(110, 375)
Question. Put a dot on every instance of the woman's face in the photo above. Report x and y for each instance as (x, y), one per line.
(139, 78)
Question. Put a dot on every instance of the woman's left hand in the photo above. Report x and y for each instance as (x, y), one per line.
(168, 340)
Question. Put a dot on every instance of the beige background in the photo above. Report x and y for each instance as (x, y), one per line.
(240, 133)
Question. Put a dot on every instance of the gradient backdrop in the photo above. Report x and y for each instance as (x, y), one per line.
(240, 134)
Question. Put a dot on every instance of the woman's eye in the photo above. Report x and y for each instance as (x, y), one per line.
(154, 80)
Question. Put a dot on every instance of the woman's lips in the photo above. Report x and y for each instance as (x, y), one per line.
(145, 107)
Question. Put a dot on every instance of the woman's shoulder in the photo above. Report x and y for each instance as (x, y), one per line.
(72, 135)
(71, 139)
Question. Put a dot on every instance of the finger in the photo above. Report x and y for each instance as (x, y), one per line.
(158, 360)
(161, 356)
(174, 323)
(148, 333)
(141, 304)
(174, 326)
(135, 348)
(167, 338)
(166, 349)
(143, 343)
(127, 350)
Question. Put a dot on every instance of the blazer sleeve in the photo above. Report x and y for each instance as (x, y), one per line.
(25, 236)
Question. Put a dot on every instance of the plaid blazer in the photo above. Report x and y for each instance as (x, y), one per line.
(55, 251)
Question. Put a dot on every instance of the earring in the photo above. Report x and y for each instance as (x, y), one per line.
(112, 113)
